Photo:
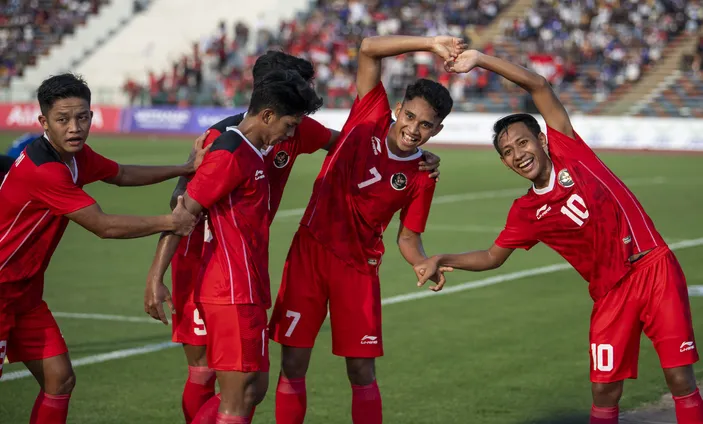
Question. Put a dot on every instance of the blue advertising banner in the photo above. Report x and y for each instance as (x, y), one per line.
(174, 120)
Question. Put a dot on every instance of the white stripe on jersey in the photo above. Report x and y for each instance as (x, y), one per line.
(25, 239)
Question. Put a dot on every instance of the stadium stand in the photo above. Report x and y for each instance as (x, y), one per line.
(591, 51)
(29, 29)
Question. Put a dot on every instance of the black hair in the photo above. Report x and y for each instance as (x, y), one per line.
(503, 123)
(59, 87)
(274, 60)
(5, 164)
(286, 93)
(434, 93)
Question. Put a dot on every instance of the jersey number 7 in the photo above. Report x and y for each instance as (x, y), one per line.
(376, 178)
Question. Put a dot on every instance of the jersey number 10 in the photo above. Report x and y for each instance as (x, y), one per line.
(576, 213)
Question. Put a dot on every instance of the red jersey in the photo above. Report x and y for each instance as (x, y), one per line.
(586, 214)
(310, 136)
(231, 184)
(35, 195)
(362, 184)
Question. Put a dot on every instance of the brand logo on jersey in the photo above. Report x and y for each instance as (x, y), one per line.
(376, 145)
(543, 211)
(372, 262)
(565, 178)
(399, 181)
(369, 340)
(685, 346)
(259, 175)
(281, 159)
(627, 240)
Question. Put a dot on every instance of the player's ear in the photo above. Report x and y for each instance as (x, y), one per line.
(398, 107)
(542, 140)
(267, 116)
(44, 122)
(437, 129)
(502, 159)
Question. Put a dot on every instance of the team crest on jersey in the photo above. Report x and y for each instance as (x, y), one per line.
(281, 159)
(399, 181)
(565, 178)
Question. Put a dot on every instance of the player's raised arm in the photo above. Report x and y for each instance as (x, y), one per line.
(546, 101)
(478, 260)
(374, 49)
(138, 175)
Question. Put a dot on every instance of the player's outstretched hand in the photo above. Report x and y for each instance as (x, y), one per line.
(155, 295)
(430, 270)
(198, 153)
(448, 48)
(183, 221)
(464, 63)
(430, 163)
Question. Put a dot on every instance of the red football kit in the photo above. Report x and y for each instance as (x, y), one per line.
(35, 195)
(187, 325)
(337, 251)
(588, 216)
(233, 293)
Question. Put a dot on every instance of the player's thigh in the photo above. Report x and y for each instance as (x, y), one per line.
(614, 335)
(355, 314)
(237, 338)
(35, 335)
(667, 315)
(301, 304)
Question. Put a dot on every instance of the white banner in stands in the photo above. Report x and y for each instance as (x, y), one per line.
(608, 132)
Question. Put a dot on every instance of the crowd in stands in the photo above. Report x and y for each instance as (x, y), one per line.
(593, 45)
(28, 29)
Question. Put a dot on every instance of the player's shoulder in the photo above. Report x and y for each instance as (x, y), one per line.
(230, 121)
(41, 153)
(229, 141)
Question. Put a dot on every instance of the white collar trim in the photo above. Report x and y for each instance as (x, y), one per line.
(72, 168)
(550, 186)
(393, 156)
(235, 129)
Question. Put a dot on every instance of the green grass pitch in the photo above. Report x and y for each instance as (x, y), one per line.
(508, 353)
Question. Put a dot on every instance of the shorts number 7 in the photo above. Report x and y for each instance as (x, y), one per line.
(296, 318)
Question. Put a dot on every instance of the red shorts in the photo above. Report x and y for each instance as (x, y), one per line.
(653, 297)
(28, 335)
(237, 339)
(312, 277)
(187, 326)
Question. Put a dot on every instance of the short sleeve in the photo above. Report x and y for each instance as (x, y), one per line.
(563, 146)
(219, 174)
(95, 167)
(415, 215)
(312, 135)
(516, 234)
(373, 107)
(56, 189)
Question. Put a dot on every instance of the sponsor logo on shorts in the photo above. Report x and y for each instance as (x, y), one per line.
(369, 340)
(3, 351)
(281, 159)
(543, 211)
(686, 346)
(565, 178)
(627, 240)
(399, 181)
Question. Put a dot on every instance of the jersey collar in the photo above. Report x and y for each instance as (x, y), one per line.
(550, 186)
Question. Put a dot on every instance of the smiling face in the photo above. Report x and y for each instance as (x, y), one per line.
(417, 123)
(525, 153)
(67, 123)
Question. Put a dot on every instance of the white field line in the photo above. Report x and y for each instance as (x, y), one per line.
(482, 195)
(469, 285)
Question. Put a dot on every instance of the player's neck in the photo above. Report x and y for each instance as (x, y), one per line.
(393, 144)
(66, 157)
(248, 128)
(542, 180)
